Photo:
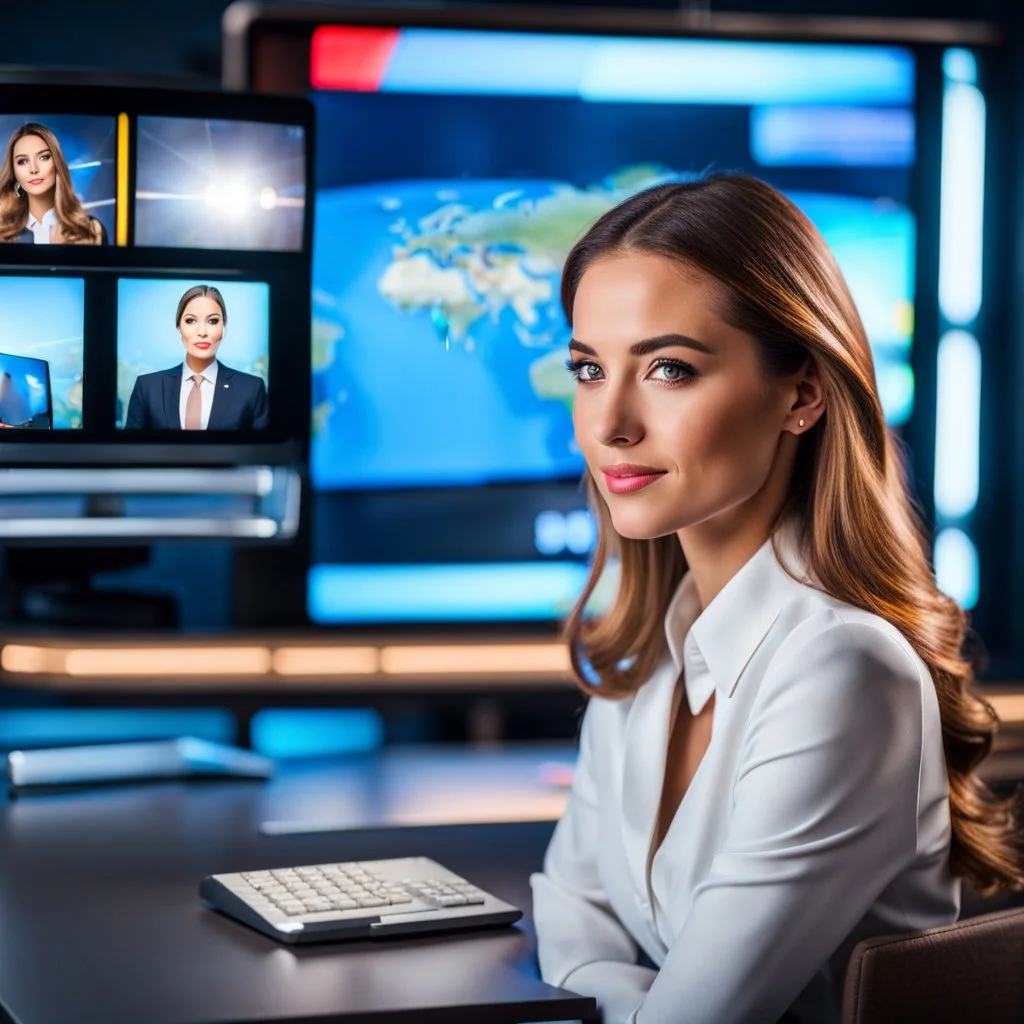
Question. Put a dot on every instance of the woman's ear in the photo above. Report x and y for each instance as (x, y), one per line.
(809, 404)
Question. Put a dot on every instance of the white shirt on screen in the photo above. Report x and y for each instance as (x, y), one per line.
(206, 391)
(818, 816)
(41, 228)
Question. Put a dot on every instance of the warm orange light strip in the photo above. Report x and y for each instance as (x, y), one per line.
(121, 212)
(167, 661)
(480, 659)
(326, 661)
(40, 661)
(323, 661)
(1009, 706)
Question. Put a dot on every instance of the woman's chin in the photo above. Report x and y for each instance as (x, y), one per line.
(638, 527)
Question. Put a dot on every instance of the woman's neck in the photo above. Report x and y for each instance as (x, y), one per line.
(716, 549)
(40, 206)
(199, 365)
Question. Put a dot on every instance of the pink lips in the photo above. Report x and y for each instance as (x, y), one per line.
(626, 479)
(204, 345)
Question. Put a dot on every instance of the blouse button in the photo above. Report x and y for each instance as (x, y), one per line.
(643, 904)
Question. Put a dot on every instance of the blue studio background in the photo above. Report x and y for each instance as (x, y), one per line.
(183, 40)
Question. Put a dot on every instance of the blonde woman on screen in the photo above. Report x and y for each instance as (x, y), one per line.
(37, 201)
(779, 757)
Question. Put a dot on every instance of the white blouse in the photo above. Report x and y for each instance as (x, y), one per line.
(818, 816)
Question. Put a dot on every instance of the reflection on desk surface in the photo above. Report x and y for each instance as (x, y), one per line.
(423, 786)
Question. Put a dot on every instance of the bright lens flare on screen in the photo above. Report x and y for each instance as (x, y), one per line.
(268, 198)
(231, 198)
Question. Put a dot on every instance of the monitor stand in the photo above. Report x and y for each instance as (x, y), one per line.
(52, 586)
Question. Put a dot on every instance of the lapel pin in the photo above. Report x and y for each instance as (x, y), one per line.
(227, 385)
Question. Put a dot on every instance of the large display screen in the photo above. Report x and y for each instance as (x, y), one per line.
(456, 168)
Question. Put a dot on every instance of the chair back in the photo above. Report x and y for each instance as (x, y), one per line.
(972, 970)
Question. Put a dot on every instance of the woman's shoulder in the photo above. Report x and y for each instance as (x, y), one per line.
(241, 377)
(819, 635)
(154, 375)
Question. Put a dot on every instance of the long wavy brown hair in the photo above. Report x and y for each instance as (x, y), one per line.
(75, 224)
(862, 538)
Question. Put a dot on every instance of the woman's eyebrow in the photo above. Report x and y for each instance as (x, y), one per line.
(649, 345)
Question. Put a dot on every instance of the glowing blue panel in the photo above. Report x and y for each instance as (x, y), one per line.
(956, 567)
(524, 64)
(674, 71)
(617, 69)
(960, 66)
(39, 727)
(957, 424)
(962, 203)
(316, 732)
(806, 136)
(485, 592)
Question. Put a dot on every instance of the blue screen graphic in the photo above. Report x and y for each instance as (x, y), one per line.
(439, 342)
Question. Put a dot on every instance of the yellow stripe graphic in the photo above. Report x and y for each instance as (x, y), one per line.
(122, 179)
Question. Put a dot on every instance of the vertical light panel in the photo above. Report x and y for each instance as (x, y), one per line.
(956, 566)
(962, 200)
(121, 212)
(958, 393)
(957, 430)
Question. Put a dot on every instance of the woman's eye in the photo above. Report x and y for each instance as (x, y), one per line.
(583, 371)
(674, 372)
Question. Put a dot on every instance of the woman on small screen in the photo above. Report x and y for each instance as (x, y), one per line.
(37, 201)
(779, 757)
(201, 393)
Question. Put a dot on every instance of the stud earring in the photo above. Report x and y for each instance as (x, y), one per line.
(800, 423)
(17, 190)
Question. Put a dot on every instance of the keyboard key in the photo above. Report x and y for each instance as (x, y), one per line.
(450, 901)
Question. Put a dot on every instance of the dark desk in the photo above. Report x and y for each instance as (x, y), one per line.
(100, 922)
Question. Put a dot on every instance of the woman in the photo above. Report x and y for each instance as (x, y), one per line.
(37, 201)
(201, 393)
(779, 759)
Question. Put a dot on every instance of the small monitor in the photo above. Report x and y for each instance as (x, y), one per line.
(58, 181)
(205, 183)
(25, 398)
(155, 250)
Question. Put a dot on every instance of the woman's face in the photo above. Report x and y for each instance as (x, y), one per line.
(202, 328)
(34, 169)
(675, 417)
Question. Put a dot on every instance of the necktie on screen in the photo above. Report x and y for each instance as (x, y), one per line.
(194, 404)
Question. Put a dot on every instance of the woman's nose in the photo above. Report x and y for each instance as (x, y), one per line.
(617, 423)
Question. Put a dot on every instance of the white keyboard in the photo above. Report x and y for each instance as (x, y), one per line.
(355, 899)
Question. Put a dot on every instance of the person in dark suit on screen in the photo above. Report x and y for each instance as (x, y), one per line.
(202, 393)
